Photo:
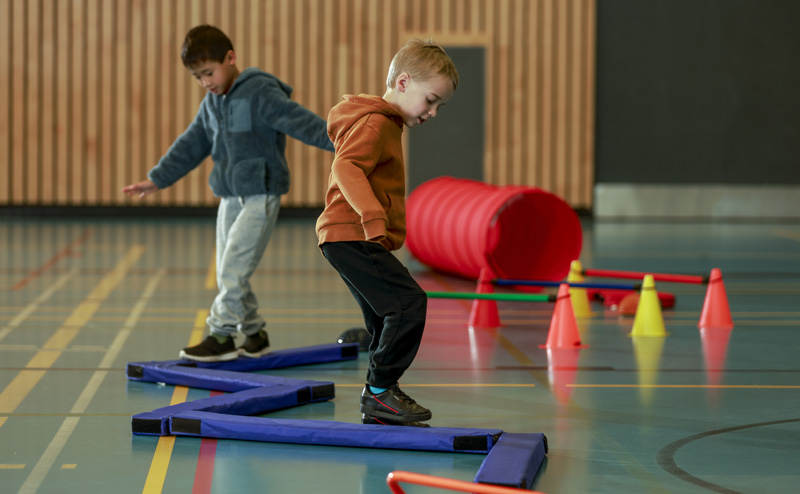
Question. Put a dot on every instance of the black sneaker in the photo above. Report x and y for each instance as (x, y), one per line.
(211, 350)
(255, 345)
(368, 419)
(393, 404)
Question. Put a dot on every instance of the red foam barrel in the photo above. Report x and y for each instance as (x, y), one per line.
(459, 226)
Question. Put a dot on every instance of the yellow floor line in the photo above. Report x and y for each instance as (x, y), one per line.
(211, 277)
(34, 306)
(154, 483)
(682, 386)
(26, 380)
(53, 450)
(450, 385)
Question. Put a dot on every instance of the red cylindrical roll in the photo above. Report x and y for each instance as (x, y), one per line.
(459, 226)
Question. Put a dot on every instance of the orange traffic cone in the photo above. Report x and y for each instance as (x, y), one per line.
(563, 331)
(484, 312)
(716, 312)
(579, 296)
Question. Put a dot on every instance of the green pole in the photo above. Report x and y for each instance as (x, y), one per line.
(516, 297)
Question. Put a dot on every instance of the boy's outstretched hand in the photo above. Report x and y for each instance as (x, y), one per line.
(140, 189)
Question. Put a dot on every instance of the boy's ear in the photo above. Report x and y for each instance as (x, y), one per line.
(402, 82)
(230, 57)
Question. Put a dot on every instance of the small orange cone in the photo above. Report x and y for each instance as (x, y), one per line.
(716, 312)
(629, 304)
(563, 331)
(648, 320)
(580, 299)
(484, 312)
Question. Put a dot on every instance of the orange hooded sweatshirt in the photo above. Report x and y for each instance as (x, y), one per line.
(367, 186)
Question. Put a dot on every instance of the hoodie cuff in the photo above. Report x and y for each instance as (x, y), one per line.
(375, 229)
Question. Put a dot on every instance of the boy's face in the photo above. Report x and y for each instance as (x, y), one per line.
(216, 77)
(420, 101)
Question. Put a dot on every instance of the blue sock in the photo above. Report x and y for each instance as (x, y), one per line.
(375, 390)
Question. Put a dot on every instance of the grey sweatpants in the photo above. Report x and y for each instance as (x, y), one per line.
(244, 226)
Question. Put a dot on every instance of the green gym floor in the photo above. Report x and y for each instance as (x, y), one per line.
(675, 414)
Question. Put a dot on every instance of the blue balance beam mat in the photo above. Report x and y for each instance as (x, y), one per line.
(219, 380)
(330, 433)
(281, 393)
(290, 357)
(514, 460)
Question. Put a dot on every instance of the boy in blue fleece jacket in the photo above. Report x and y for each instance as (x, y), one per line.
(242, 123)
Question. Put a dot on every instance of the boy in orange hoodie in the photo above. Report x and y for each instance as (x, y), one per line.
(364, 219)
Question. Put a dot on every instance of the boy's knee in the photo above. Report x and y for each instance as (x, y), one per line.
(416, 304)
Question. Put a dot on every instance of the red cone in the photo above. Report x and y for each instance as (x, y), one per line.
(484, 312)
(716, 312)
(563, 331)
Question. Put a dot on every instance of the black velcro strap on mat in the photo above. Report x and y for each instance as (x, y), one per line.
(470, 443)
(303, 395)
(146, 426)
(185, 426)
(135, 371)
(323, 392)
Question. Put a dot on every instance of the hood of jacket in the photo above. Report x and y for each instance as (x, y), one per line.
(353, 108)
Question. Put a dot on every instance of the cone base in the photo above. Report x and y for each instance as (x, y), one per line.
(554, 347)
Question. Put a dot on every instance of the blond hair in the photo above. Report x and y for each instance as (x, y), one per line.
(422, 60)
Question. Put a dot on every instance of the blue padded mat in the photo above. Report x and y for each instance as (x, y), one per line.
(331, 433)
(514, 460)
(283, 393)
(216, 379)
(290, 357)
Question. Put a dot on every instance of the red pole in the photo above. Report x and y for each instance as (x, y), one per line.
(635, 275)
(394, 478)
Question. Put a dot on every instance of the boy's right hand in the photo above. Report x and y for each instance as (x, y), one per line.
(141, 189)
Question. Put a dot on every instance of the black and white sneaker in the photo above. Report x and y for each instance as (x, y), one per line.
(256, 345)
(211, 350)
(393, 404)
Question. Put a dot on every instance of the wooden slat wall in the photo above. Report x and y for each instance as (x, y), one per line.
(93, 91)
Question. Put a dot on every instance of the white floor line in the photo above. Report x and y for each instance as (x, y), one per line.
(45, 463)
(30, 308)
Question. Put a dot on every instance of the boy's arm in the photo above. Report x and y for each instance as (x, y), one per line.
(293, 119)
(356, 157)
(185, 154)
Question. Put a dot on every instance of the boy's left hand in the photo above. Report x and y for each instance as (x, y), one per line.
(144, 188)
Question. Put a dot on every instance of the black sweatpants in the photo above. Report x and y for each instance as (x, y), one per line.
(393, 304)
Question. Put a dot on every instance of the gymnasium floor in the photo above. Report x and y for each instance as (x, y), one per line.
(79, 299)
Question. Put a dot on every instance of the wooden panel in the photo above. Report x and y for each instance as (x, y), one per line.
(5, 105)
(94, 92)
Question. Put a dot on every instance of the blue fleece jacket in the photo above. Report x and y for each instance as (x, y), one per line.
(245, 132)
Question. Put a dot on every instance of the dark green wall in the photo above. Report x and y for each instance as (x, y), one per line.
(698, 91)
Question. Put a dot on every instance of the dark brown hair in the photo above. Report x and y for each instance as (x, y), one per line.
(204, 43)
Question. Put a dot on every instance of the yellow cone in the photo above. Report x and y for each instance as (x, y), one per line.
(648, 321)
(580, 299)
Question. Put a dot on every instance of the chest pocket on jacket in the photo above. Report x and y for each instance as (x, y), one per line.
(239, 116)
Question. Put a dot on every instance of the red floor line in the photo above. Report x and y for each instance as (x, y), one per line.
(204, 473)
(52, 261)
